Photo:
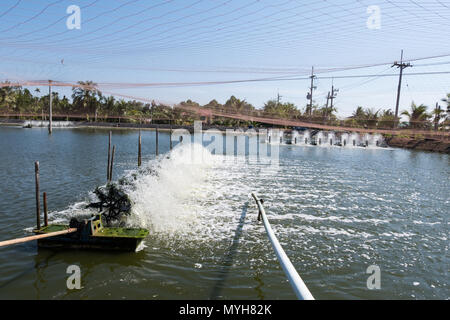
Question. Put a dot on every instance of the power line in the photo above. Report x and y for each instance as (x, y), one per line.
(239, 26)
(303, 27)
(141, 22)
(124, 85)
(11, 8)
(99, 57)
(102, 14)
(50, 25)
(33, 17)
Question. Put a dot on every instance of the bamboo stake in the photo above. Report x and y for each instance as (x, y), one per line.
(50, 115)
(38, 204)
(170, 137)
(157, 142)
(108, 170)
(45, 210)
(37, 237)
(139, 150)
(112, 163)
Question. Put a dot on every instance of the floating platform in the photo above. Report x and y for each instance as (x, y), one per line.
(91, 234)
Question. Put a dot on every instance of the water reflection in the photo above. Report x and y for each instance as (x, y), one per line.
(229, 257)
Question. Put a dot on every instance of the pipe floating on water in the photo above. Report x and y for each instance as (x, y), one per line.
(300, 288)
(37, 237)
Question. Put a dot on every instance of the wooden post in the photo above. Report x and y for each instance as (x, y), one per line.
(50, 107)
(45, 210)
(170, 137)
(112, 163)
(38, 204)
(108, 169)
(139, 150)
(157, 141)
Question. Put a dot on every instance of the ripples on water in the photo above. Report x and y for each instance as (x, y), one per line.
(336, 211)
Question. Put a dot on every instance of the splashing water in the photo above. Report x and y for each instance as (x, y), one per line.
(162, 192)
(161, 200)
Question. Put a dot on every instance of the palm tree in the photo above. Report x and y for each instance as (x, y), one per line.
(386, 119)
(371, 117)
(437, 112)
(108, 104)
(86, 97)
(358, 115)
(366, 117)
(284, 110)
(418, 117)
(36, 101)
(447, 100)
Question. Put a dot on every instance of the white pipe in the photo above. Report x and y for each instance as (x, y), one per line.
(300, 289)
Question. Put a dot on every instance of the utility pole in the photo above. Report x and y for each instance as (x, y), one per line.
(278, 98)
(326, 107)
(401, 66)
(333, 95)
(50, 108)
(328, 99)
(310, 94)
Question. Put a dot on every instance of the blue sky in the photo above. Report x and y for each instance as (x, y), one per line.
(143, 41)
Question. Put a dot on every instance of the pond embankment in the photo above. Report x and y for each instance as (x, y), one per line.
(423, 144)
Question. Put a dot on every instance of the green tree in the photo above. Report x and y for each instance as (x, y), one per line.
(24, 101)
(371, 117)
(86, 97)
(8, 97)
(365, 117)
(438, 112)
(108, 106)
(284, 110)
(386, 119)
(418, 116)
(447, 101)
(359, 115)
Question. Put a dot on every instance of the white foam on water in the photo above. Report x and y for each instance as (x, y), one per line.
(295, 216)
(45, 123)
(163, 194)
(161, 201)
(141, 246)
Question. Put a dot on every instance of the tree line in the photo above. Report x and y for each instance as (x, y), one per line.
(88, 102)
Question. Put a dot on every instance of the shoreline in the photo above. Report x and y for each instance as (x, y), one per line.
(404, 142)
(129, 126)
(422, 144)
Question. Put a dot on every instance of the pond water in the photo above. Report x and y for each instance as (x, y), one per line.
(336, 211)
